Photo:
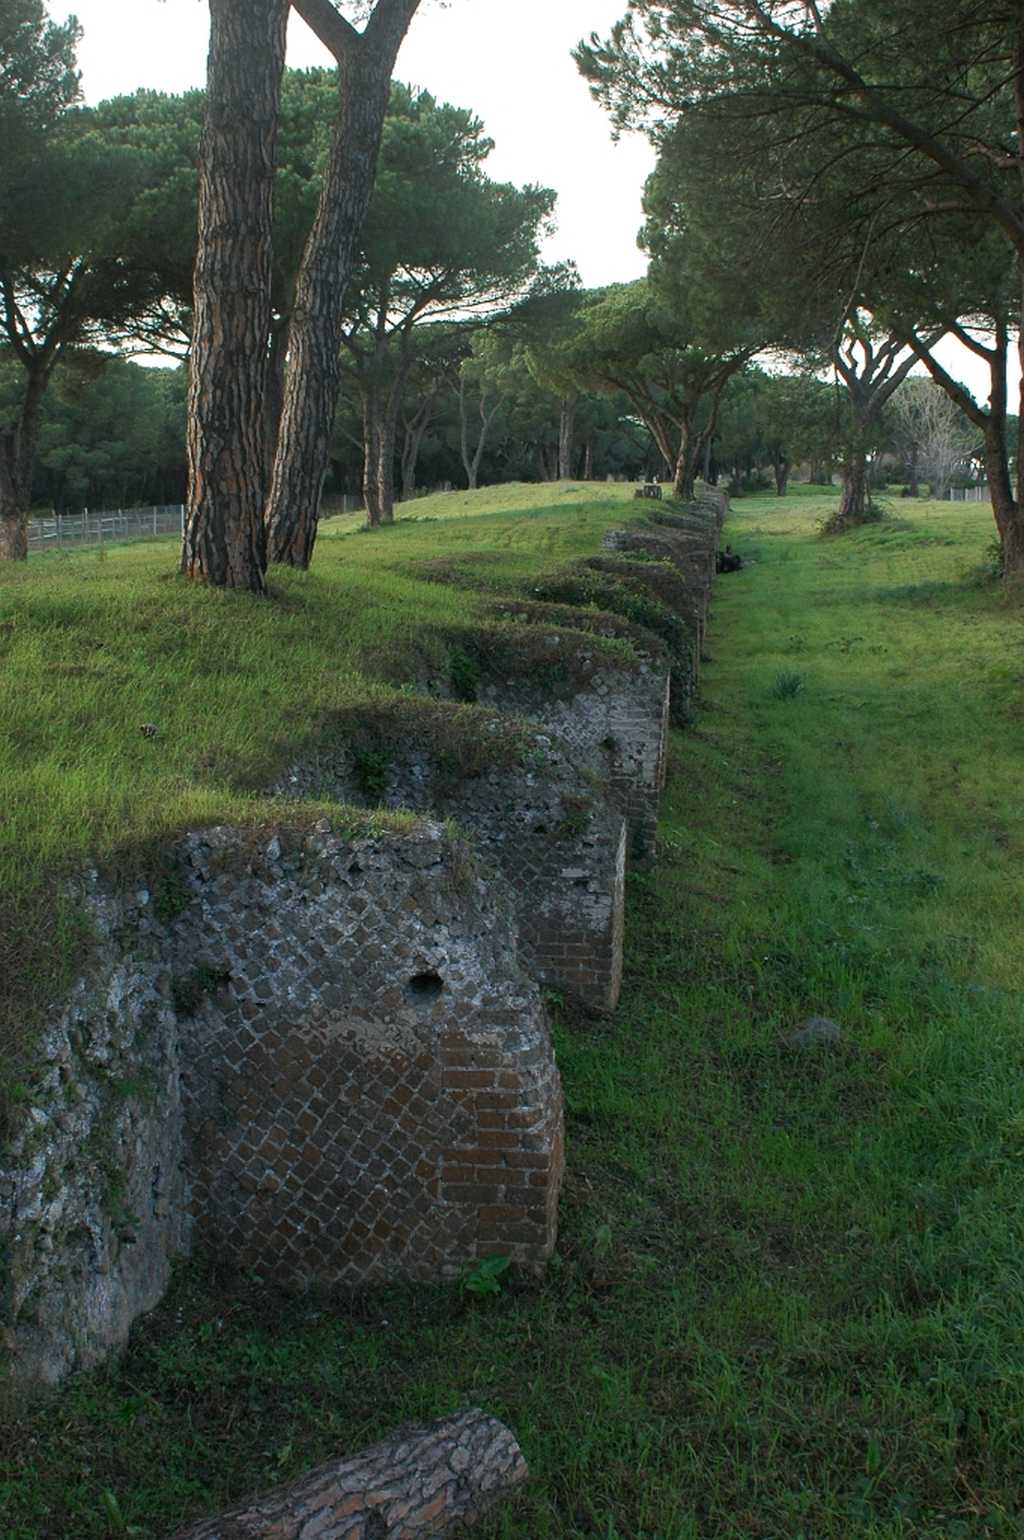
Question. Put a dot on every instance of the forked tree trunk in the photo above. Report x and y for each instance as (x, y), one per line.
(311, 387)
(684, 472)
(420, 1484)
(471, 461)
(224, 542)
(412, 438)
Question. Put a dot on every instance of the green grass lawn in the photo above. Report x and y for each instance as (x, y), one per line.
(788, 1300)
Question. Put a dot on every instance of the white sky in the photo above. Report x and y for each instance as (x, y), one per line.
(508, 60)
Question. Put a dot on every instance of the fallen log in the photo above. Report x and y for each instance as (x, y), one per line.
(424, 1481)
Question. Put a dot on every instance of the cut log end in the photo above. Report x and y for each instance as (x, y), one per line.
(422, 1482)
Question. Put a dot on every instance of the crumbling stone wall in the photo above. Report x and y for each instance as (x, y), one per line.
(92, 1192)
(314, 1050)
(542, 819)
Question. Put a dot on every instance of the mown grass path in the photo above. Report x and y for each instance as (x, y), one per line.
(789, 1297)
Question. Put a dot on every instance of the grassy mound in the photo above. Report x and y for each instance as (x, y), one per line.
(134, 704)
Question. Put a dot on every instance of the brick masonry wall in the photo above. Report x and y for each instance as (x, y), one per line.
(371, 1092)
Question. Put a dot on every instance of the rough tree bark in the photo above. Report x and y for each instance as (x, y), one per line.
(224, 541)
(274, 398)
(421, 1483)
(365, 62)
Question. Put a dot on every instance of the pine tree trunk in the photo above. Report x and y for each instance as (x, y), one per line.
(420, 1484)
(384, 464)
(684, 475)
(410, 457)
(1005, 508)
(588, 460)
(314, 340)
(13, 508)
(566, 428)
(371, 417)
(224, 541)
(18, 445)
(853, 500)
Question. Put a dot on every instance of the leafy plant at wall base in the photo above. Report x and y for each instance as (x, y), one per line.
(485, 1277)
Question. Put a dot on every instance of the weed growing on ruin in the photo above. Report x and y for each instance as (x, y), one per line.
(188, 991)
(370, 771)
(464, 675)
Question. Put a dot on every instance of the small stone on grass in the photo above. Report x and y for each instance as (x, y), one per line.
(814, 1029)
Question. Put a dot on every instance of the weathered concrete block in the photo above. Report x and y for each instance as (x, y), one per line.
(542, 818)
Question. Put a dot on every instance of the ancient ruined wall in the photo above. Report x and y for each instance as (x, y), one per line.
(314, 1051)
(542, 819)
(609, 705)
(693, 556)
(370, 1090)
(92, 1194)
(617, 723)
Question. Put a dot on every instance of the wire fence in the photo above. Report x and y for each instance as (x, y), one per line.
(968, 494)
(96, 528)
(91, 527)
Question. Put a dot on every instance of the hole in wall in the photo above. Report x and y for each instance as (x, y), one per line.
(423, 989)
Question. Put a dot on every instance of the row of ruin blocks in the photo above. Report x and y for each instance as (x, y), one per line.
(345, 1016)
